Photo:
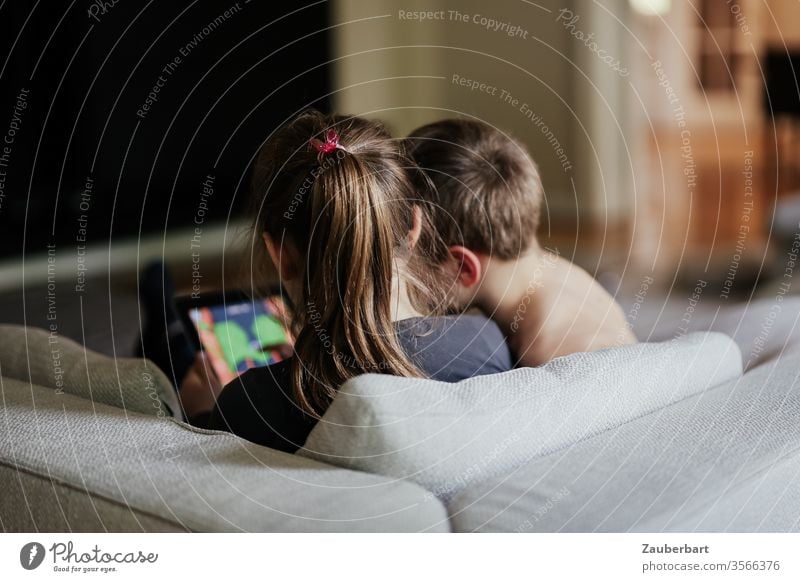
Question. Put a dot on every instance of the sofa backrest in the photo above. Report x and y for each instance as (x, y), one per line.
(50, 360)
(447, 437)
(726, 459)
(70, 464)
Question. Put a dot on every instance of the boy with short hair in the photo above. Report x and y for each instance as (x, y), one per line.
(486, 204)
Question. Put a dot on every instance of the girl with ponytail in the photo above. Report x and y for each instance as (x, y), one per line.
(336, 210)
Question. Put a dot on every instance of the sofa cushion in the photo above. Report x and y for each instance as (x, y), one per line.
(727, 459)
(68, 464)
(449, 436)
(34, 355)
(762, 328)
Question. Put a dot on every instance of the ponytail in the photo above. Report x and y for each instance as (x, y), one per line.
(353, 210)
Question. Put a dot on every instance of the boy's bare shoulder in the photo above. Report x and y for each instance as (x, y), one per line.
(564, 279)
(574, 313)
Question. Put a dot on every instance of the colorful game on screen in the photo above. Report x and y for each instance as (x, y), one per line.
(239, 336)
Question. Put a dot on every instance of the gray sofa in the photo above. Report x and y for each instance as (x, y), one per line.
(722, 459)
(70, 465)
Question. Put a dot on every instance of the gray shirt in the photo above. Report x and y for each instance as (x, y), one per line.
(260, 405)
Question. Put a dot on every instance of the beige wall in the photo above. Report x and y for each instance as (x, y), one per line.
(782, 23)
(574, 95)
(683, 221)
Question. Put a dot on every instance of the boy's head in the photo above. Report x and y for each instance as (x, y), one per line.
(485, 201)
(487, 191)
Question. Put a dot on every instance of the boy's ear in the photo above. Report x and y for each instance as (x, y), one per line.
(469, 268)
(284, 257)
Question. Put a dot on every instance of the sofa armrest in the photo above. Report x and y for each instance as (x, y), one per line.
(70, 464)
(34, 355)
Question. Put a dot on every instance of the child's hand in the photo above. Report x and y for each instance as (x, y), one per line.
(200, 388)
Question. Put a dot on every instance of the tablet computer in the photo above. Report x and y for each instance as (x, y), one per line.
(237, 332)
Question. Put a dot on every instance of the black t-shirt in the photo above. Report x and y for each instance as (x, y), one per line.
(260, 405)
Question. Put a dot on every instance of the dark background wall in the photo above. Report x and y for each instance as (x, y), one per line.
(76, 76)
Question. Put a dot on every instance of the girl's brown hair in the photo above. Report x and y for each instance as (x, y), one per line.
(348, 214)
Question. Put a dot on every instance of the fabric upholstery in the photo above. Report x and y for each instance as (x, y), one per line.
(448, 437)
(34, 355)
(726, 459)
(69, 464)
(762, 328)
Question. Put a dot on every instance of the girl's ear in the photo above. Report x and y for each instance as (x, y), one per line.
(284, 257)
(468, 266)
(416, 227)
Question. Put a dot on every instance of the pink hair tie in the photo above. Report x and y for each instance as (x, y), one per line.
(331, 143)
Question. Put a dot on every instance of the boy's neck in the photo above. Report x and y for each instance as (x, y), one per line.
(402, 306)
(505, 283)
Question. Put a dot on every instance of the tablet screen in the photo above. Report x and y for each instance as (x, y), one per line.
(243, 334)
